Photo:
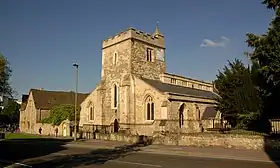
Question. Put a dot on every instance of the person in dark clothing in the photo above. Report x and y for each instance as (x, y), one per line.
(116, 125)
(56, 131)
(40, 130)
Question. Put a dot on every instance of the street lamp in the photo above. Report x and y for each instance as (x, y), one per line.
(76, 98)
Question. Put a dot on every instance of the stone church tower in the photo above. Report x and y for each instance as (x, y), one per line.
(127, 54)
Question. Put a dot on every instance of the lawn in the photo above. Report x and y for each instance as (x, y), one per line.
(21, 136)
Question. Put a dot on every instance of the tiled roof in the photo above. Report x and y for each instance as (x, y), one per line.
(209, 112)
(45, 99)
(165, 87)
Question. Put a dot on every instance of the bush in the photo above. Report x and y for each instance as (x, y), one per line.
(47, 120)
(60, 113)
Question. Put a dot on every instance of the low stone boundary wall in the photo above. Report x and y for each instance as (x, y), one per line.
(117, 137)
(237, 141)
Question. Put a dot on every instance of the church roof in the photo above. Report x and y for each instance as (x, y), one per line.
(45, 99)
(165, 87)
(209, 113)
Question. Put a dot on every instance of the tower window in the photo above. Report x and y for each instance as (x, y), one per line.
(115, 58)
(115, 100)
(149, 54)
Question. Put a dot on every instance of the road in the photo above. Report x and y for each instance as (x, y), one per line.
(127, 158)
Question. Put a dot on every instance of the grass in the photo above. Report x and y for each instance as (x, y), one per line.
(10, 136)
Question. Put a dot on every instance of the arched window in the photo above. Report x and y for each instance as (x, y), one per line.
(91, 113)
(181, 115)
(150, 108)
(115, 96)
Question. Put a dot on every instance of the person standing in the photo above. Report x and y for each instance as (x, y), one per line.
(56, 131)
(40, 130)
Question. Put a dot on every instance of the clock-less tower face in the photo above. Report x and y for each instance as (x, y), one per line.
(160, 54)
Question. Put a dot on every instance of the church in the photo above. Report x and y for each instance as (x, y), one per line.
(136, 91)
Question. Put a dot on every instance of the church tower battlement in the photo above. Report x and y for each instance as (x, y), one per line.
(156, 39)
(134, 52)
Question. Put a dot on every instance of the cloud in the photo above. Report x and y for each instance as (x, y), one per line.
(209, 43)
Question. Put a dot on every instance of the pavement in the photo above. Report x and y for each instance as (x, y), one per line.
(86, 158)
(95, 153)
(206, 152)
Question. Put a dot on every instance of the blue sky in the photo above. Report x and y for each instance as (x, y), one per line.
(41, 39)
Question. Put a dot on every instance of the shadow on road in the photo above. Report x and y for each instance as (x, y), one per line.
(273, 151)
(19, 149)
(33, 152)
(95, 157)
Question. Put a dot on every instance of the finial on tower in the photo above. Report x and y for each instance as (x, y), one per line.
(157, 32)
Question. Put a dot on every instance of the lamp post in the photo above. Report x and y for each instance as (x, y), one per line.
(76, 98)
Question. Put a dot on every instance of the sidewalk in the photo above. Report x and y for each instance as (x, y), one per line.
(207, 152)
(215, 152)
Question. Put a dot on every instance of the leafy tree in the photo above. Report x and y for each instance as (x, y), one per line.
(239, 100)
(5, 74)
(266, 53)
(11, 112)
(60, 113)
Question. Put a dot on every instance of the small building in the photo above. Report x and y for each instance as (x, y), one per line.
(138, 94)
(38, 104)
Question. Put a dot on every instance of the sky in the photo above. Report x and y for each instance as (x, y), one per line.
(42, 39)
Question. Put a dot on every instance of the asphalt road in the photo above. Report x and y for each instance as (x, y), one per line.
(128, 158)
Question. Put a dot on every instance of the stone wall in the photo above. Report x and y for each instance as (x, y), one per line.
(27, 117)
(117, 137)
(49, 129)
(139, 64)
(237, 141)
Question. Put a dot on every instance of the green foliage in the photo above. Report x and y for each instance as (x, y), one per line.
(11, 112)
(47, 120)
(5, 74)
(266, 52)
(238, 94)
(60, 113)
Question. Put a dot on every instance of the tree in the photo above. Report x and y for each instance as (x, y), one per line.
(60, 113)
(239, 100)
(266, 53)
(5, 74)
(11, 112)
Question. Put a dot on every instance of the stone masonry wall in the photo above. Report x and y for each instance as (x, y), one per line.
(139, 64)
(27, 117)
(113, 74)
(93, 100)
(215, 140)
(49, 129)
(200, 140)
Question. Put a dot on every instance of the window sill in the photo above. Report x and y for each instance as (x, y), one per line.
(149, 121)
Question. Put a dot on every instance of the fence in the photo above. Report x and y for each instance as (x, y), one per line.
(275, 126)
